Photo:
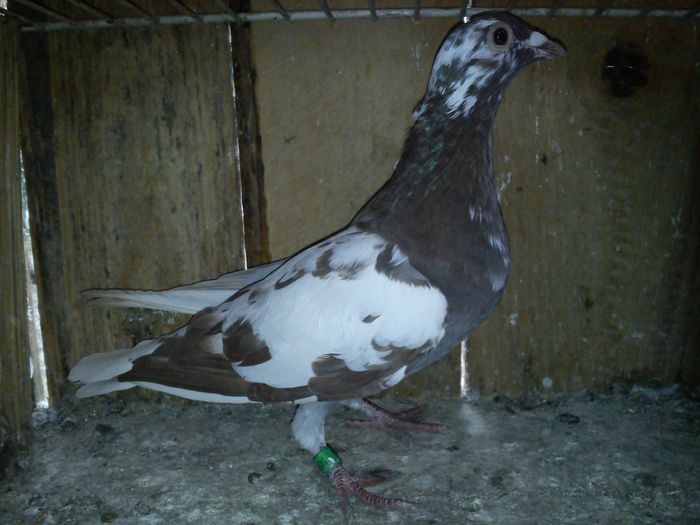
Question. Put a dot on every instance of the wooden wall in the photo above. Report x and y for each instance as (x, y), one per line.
(131, 143)
(15, 382)
(134, 179)
(599, 192)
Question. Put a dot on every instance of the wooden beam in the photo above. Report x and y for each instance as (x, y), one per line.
(249, 143)
(38, 145)
(15, 381)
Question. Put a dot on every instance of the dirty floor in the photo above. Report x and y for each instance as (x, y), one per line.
(629, 458)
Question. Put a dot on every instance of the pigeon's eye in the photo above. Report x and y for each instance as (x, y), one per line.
(500, 37)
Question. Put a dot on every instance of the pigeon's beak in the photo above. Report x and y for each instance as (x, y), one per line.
(543, 47)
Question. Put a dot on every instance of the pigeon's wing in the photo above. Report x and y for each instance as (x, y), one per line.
(188, 299)
(344, 318)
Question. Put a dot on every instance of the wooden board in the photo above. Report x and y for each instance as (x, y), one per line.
(147, 192)
(15, 381)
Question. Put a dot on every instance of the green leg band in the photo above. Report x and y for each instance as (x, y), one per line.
(327, 460)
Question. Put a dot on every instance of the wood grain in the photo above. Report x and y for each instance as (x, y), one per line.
(147, 193)
(15, 381)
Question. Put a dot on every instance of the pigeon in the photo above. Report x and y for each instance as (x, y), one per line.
(419, 267)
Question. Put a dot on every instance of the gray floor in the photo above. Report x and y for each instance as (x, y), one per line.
(619, 459)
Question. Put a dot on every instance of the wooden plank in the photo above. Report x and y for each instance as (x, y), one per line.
(249, 143)
(38, 145)
(145, 164)
(15, 381)
(141, 188)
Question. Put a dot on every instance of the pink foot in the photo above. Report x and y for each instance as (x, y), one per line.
(383, 419)
(347, 484)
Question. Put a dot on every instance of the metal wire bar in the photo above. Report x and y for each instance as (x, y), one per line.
(416, 10)
(19, 17)
(94, 11)
(555, 7)
(281, 10)
(693, 12)
(47, 11)
(464, 9)
(643, 13)
(327, 9)
(345, 14)
(511, 5)
(602, 8)
(134, 7)
(372, 9)
(227, 8)
(185, 10)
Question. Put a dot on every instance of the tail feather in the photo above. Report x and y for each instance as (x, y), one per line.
(186, 302)
(98, 372)
(188, 299)
(102, 387)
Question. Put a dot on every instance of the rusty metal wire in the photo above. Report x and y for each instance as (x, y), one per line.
(36, 15)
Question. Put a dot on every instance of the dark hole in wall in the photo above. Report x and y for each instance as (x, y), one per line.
(625, 69)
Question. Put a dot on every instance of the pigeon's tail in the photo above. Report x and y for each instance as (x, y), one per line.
(188, 299)
(185, 363)
(98, 373)
(174, 300)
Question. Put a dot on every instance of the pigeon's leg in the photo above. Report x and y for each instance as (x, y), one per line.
(383, 419)
(346, 483)
(308, 429)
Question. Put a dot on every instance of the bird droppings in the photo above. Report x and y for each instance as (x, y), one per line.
(633, 461)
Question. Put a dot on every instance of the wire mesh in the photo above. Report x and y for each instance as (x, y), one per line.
(35, 15)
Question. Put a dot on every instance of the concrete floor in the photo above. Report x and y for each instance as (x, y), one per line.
(630, 458)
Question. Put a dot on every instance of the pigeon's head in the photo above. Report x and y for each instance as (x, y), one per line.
(477, 59)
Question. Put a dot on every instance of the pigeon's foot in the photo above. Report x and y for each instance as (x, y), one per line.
(348, 484)
(385, 420)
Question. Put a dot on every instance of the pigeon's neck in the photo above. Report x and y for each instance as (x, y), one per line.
(441, 208)
(444, 175)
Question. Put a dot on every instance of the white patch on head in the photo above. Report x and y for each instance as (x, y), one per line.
(472, 46)
(450, 51)
(536, 39)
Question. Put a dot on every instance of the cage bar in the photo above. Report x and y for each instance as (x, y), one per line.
(183, 9)
(327, 9)
(183, 14)
(47, 11)
(150, 19)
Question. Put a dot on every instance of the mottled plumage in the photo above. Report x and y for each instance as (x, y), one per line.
(422, 264)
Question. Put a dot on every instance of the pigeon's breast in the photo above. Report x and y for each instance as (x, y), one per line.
(472, 272)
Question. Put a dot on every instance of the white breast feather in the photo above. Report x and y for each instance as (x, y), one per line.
(315, 316)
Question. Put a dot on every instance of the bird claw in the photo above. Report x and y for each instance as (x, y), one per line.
(385, 420)
(347, 484)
